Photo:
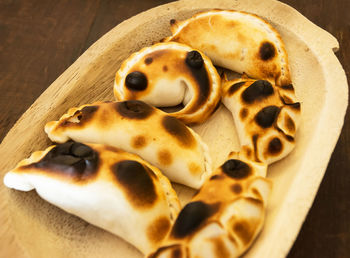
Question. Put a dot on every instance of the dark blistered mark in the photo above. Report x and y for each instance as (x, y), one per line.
(179, 131)
(138, 142)
(256, 91)
(191, 217)
(172, 21)
(158, 229)
(134, 109)
(288, 87)
(243, 231)
(148, 60)
(290, 124)
(137, 182)
(267, 116)
(165, 68)
(295, 106)
(175, 251)
(236, 169)
(136, 81)
(194, 59)
(197, 68)
(289, 138)
(235, 87)
(243, 113)
(236, 188)
(72, 159)
(267, 51)
(275, 146)
(255, 138)
(220, 248)
(214, 177)
(164, 157)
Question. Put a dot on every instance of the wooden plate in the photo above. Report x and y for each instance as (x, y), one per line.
(30, 227)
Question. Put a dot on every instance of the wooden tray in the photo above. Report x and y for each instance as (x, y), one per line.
(30, 227)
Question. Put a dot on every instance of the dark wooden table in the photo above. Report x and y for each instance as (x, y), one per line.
(40, 39)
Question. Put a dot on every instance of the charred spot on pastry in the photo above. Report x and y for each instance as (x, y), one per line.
(172, 21)
(191, 217)
(243, 113)
(72, 159)
(164, 157)
(256, 91)
(148, 60)
(267, 116)
(244, 231)
(194, 59)
(235, 87)
(178, 130)
(295, 106)
(136, 81)
(236, 169)
(288, 87)
(275, 146)
(214, 177)
(136, 181)
(290, 124)
(267, 51)
(236, 188)
(174, 250)
(138, 142)
(158, 229)
(134, 109)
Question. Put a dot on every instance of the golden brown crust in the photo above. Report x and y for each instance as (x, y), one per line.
(226, 36)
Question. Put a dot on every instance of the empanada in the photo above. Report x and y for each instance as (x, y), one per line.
(238, 41)
(224, 217)
(105, 186)
(169, 74)
(139, 128)
(266, 117)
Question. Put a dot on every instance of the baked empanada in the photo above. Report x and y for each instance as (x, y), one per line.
(139, 128)
(169, 74)
(105, 186)
(224, 217)
(266, 117)
(238, 41)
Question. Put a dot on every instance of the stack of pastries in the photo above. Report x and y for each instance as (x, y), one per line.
(112, 162)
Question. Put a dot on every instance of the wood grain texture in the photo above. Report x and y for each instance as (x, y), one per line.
(40, 39)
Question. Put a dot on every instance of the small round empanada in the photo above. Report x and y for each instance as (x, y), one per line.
(169, 74)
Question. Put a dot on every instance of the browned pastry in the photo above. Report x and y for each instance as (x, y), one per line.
(239, 41)
(224, 217)
(139, 128)
(169, 74)
(105, 186)
(266, 117)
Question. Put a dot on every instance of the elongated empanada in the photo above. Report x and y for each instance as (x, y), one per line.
(169, 74)
(105, 186)
(224, 217)
(266, 117)
(139, 128)
(238, 41)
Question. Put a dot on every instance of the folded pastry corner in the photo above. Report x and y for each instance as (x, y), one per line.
(105, 186)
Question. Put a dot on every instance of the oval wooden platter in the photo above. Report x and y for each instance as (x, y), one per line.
(30, 227)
